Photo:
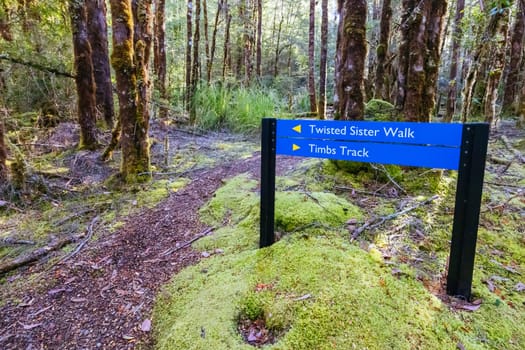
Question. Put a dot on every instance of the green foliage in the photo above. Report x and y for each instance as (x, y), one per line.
(237, 109)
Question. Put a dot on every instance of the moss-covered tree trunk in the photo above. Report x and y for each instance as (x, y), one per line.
(419, 56)
(131, 51)
(5, 22)
(382, 50)
(453, 74)
(323, 58)
(516, 54)
(84, 78)
(350, 60)
(98, 39)
(496, 67)
(3, 156)
(159, 60)
(311, 59)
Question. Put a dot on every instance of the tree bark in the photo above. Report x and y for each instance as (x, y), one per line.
(209, 67)
(196, 43)
(98, 39)
(516, 55)
(206, 35)
(227, 43)
(3, 156)
(159, 56)
(382, 49)
(84, 79)
(311, 59)
(189, 42)
(350, 60)
(419, 56)
(247, 42)
(259, 39)
(323, 59)
(453, 75)
(5, 25)
(372, 50)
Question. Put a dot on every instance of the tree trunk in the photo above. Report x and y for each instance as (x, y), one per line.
(131, 44)
(278, 49)
(350, 60)
(98, 39)
(496, 67)
(453, 75)
(311, 59)
(84, 78)
(247, 42)
(206, 35)
(323, 59)
(372, 50)
(5, 22)
(419, 56)
(227, 43)
(3, 156)
(516, 55)
(220, 5)
(259, 39)
(382, 50)
(189, 41)
(159, 60)
(196, 46)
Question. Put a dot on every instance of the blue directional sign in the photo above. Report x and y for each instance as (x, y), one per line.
(391, 132)
(368, 152)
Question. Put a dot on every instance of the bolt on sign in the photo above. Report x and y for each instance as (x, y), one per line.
(461, 147)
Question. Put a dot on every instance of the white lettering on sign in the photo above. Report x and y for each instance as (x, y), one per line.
(406, 133)
(360, 153)
(356, 131)
(324, 130)
(321, 149)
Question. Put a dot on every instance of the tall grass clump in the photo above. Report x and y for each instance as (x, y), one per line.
(238, 109)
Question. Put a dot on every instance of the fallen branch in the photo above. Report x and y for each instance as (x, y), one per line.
(35, 255)
(190, 242)
(517, 154)
(373, 194)
(10, 241)
(378, 221)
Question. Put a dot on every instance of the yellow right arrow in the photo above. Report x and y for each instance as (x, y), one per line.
(297, 128)
(295, 147)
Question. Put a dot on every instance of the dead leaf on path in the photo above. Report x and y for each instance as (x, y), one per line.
(490, 285)
(146, 325)
(520, 287)
(128, 337)
(28, 327)
(78, 300)
(27, 303)
(460, 346)
(56, 291)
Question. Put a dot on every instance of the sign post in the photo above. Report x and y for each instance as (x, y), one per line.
(461, 147)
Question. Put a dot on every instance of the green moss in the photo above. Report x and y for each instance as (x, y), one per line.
(379, 110)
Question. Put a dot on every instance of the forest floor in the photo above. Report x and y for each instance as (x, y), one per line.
(99, 291)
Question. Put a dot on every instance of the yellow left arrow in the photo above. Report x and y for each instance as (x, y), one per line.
(297, 128)
(295, 147)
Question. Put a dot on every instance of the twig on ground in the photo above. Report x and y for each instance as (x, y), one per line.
(204, 233)
(378, 221)
(350, 189)
(390, 178)
(84, 241)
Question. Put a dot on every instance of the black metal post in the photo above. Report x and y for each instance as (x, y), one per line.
(267, 220)
(467, 209)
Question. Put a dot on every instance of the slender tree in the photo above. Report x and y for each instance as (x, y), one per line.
(227, 42)
(189, 44)
(516, 56)
(3, 156)
(206, 36)
(350, 60)
(5, 19)
(84, 78)
(311, 59)
(453, 74)
(196, 48)
(258, 54)
(382, 50)
(159, 56)
(98, 39)
(220, 4)
(323, 59)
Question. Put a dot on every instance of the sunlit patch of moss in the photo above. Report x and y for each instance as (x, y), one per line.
(321, 297)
